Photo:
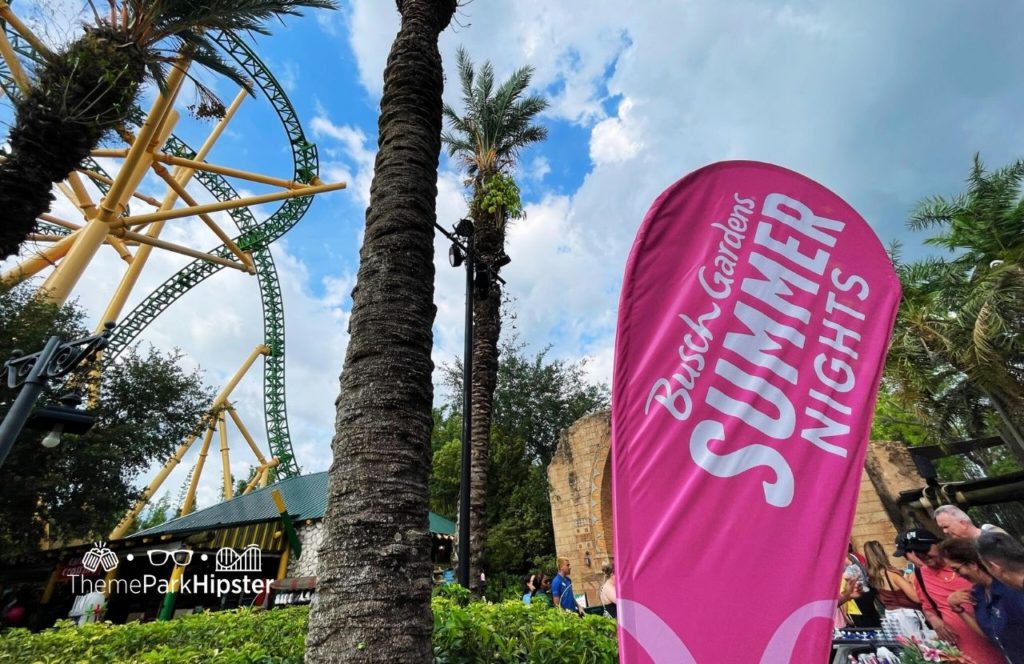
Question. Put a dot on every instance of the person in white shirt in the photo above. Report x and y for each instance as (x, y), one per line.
(956, 523)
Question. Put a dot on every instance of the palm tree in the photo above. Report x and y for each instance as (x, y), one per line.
(374, 579)
(497, 123)
(90, 87)
(958, 331)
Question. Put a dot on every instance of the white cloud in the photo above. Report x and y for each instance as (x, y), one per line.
(615, 139)
(353, 145)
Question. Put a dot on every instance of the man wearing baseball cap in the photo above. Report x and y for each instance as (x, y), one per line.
(935, 581)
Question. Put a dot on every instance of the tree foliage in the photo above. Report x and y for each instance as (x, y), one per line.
(89, 87)
(536, 399)
(147, 404)
(957, 357)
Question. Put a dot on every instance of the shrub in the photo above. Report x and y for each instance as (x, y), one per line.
(224, 637)
(476, 632)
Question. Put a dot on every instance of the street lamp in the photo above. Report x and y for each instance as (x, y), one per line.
(31, 373)
(478, 282)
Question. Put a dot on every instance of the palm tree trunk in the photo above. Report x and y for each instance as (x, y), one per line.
(1010, 429)
(79, 95)
(374, 578)
(486, 331)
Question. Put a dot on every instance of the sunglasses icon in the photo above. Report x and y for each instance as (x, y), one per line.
(181, 557)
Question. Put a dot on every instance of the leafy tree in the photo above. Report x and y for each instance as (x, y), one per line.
(496, 124)
(159, 512)
(536, 399)
(957, 351)
(90, 87)
(80, 489)
(374, 578)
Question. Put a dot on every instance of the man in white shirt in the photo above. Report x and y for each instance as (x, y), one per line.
(955, 523)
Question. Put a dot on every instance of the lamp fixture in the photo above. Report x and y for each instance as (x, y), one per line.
(52, 439)
(464, 228)
(455, 255)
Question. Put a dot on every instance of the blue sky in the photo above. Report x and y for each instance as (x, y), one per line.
(884, 103)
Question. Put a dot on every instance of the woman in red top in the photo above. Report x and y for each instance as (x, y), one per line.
(894, 591)
(934, 582)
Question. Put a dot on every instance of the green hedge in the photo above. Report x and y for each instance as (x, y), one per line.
(474, 632)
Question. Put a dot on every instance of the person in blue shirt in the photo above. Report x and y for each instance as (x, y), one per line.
(530, 588)
(998, 609)
(561, 588)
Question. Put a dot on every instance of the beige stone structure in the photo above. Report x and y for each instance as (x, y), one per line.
(581, 500)
(581, 506)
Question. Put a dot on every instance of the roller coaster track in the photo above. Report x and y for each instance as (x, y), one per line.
(255, 237)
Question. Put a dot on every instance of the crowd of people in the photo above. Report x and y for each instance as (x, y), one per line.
(969, 586)
(558, 591)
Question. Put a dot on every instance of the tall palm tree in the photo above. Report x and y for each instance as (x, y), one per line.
(496, 124)
(959, 328)
(90, 87)
(374, 580)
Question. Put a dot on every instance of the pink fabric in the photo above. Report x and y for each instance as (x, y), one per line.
(942, 583)
(737, 455)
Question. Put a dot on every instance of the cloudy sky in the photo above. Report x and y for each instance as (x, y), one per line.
(883, 102)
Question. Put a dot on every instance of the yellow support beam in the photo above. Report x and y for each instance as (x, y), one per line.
(225, 461)
(246, 435)
(182, 177)
(145, 239)
(93, 175)
(165, 175)
(190, 498)
(154, 131)
(7, 14)
(178, 213)
(200, 165)
(261, 475)
(39, 261)
(119, 531)
(13, 64)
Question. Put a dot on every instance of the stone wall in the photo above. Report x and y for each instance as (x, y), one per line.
(581, 500)
(311, 535)
(581, 506)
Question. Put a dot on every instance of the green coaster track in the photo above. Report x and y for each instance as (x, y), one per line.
(255, 237)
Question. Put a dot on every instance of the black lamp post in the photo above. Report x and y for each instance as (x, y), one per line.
(31, 373)
(478, 276)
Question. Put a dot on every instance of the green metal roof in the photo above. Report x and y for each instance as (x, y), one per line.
(305, 497)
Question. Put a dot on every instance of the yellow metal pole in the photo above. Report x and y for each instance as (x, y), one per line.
(165, 175)
(182, 177)
(153, 133)
(225, 462)
(83, 199)
(112, 153)
(11, 58)
(282, 567)
(200, 165)
(60, 222)
(190, 498)
(147, 240)
(93, 175)
(261, 475)
(245, 434)
(38, 261)
(51, 584)
(178, 213)
(7, 14)
(225, 392)
(175, 459)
